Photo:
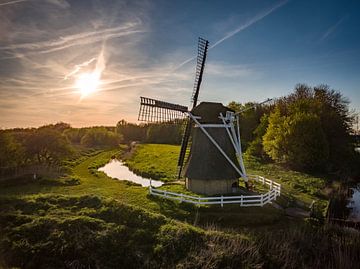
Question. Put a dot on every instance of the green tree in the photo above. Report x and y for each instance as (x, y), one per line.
(274, 141)
(100, 136)
(164, 133)
(12, 152)
(131, 132)
(306, 141)
(47, 146)
(310, 129)
(249, 119)
(256, 148)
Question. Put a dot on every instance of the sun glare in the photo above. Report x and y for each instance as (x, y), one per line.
(87, 83)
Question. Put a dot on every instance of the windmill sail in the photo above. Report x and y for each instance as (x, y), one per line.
(201, 58)
(152, 110)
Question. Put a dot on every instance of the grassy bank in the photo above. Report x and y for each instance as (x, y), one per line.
(87, 220)
(86, 231)
(156, 161)
(299, 189)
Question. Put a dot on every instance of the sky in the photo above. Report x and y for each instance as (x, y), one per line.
(258, 49)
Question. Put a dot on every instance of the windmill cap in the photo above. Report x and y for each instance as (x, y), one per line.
(210, 111)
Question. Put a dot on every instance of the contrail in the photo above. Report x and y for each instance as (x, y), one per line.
(12, 2)
(240, 28)
(332, 28)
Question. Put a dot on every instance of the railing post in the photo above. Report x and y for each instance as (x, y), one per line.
(261, 201)
(241, 200)
(222, 205)
(165, 193)
(150, 189)
(182, 197)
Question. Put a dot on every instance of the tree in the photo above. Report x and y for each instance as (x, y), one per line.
(256, 148)
(249, 119)
(307, 144)
(47, 146)
(100, 136)
(310, 129)
(12, 152)
(274, 141)
(131, 132)
(164, 133)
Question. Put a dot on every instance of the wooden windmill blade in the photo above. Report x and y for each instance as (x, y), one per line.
(200, 64)
(152, 110)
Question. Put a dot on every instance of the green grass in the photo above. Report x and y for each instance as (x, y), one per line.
(156, 161)
(97, 183)
(159, 161)
(86, 231)
(81, 218)
(298, 189)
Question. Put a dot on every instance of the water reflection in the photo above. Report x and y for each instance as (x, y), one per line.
(354, 204)
(116, 169)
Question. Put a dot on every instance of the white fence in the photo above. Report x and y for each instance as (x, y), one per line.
(242, 200)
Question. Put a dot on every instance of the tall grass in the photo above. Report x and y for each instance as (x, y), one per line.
(57, 231)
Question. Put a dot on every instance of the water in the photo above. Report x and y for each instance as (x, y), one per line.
(116, 169)
(354, 204)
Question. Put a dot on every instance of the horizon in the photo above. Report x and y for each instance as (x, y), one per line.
(258, 50)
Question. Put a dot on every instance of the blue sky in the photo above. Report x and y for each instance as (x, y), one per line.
(259, 50)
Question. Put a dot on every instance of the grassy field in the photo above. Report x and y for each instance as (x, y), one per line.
(78, 220)
(155, 160)
(88, 181)
(299, 189)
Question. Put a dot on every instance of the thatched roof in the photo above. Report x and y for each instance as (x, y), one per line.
(209, 112)
(205, 160)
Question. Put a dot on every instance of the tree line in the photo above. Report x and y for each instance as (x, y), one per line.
(48, 146)
(309, 129)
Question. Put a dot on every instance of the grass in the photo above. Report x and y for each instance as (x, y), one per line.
(86, 231)
(156, 161)
(80, 219)
(97, 183)
(298, 189)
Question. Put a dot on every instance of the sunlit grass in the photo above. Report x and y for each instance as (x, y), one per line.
(157, 161)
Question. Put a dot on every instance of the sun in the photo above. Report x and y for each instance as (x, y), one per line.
(88, 83)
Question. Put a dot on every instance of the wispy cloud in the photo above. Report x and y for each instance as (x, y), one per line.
(12, 2)
(64, 42)
(52, 44)
(78, 67)
(238, 29)
(224, 70)
(60, 3)
(332, 28)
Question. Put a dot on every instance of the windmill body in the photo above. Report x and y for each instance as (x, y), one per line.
(215, 162)
(206, 170)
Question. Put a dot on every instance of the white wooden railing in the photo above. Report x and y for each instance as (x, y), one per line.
(242, 200)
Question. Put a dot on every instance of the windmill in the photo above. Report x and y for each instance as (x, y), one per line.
(212, 163)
